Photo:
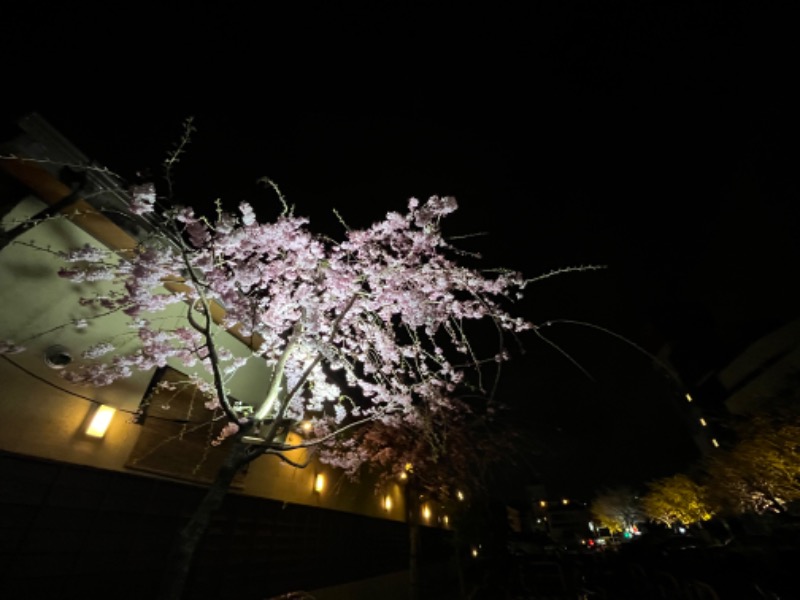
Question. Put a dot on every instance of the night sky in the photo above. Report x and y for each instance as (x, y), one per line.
(647, 137)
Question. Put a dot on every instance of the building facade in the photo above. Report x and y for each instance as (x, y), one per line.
(88, 507)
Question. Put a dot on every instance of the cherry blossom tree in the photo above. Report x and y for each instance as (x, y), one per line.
(382, 313)
(677, 499)
(447, 459)
(760, 473)
(367, 339)
(616, 509)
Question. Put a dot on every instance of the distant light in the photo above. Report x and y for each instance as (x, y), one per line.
(564, 501)
(474, 552)
(681, 530)
(446, 520)
(306, 426)
(703, 422)
(714, 442)
(100, 421)
(319, 483)
(426, 512)
(460, 495)
(688, 398)
(387, 503)
(543, 503)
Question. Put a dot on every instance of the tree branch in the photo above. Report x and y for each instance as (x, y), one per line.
(307, 372)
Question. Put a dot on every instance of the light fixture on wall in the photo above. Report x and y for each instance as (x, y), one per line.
(319, 483)
(57, 357)
(387, 503)
(100, 421)
(426, 512)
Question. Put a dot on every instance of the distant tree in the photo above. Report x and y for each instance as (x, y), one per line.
(761, 472)
(368, 339)
(677, 499)
(616, 509)
(447, 461)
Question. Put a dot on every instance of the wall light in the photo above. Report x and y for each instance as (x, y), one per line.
(426, 512)
(57, 357)
(387, 503)
(319, 483)
(100, 421)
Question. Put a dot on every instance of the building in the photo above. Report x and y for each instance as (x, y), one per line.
(766, 369)
(93, 510)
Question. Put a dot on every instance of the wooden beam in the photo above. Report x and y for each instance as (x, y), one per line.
(79, 212)
(50, 190)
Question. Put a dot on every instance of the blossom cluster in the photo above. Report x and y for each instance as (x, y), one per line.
(379, 318)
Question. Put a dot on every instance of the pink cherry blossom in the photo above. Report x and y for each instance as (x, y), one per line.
(143, 199)
(372, 328)
(9, 347)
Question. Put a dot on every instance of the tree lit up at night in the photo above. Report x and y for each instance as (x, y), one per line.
(367, 340)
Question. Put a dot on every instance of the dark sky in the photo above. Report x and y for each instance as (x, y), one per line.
(649, 137)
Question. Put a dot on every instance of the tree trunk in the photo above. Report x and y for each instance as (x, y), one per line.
(179, 562)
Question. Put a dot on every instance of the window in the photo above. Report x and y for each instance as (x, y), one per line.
(177, 431)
